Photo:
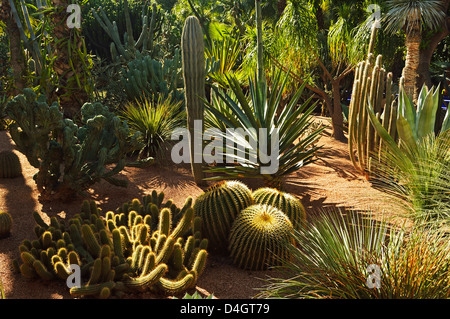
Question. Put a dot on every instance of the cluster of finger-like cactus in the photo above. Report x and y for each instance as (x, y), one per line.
(5, 224)
(9, 165)
(122, 252)
(69, 158)
(256, 228)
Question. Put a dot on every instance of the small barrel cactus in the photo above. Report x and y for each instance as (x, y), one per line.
(5, 224)
(218, 207)
(260, 238)
(9, 165)
(285, 202)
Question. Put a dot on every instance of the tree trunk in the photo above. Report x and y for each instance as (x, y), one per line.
(409, 74)
(337, 118)
(70, 95)
(426, 55)
(17, 56)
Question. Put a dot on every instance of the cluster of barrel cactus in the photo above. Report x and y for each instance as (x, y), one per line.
(255, 228)
(5, 224)
(9, 165)
(134, 249)
(219, 206)
(260, 237)
(70, 158)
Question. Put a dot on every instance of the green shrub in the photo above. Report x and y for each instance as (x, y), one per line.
(335, 257)
(155, 122)
(70, 158)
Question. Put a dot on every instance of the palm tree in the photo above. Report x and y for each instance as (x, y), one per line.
(412, 16)
(71, 62)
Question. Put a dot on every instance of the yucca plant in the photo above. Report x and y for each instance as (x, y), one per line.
(226, 48)
(155, 122)
(415, 169)
(256, 115)
(417, 178)
(334, 257)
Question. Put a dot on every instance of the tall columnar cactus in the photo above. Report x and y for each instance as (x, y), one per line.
(152, 78)
(125, 51)
(260, 238)
(193, 64)
(5, 224)
(120, 252)
(218, 207)
(285, 202)
(9, 165)
(372, 85)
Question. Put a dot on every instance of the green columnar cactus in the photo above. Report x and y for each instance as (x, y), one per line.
(260, 237)
(372, 84)
(5, 224)
(69, 158)
(9, 165)
(127, 50)
(285, 202)
(119, 255)
(218, 207)
(148, 77)
(193, 64)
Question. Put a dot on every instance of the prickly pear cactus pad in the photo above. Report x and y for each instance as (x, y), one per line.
(135, 249)
(5, 224)
(9, 165)
(260, 238)
(218, 206)
(285, 202)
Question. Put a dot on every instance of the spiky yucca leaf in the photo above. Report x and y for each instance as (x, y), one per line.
(155, 122)
(331, 259)
(265, 132)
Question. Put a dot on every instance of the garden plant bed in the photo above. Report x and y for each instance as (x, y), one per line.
(329, 182)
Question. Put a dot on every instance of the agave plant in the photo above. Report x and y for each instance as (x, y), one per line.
(415, 169)
(155, 122)
(417, 178)
(345, 255)
(258, 120)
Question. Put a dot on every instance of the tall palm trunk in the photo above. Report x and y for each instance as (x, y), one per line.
(409, 74)
(17, 56)
(70, 92)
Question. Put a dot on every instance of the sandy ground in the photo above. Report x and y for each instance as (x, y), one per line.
(328, 183)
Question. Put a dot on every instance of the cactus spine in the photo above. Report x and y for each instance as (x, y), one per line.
(193, 64)
(218, 207)
(285, 202)
(260, 237)
(9, 165)
(5, 224)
